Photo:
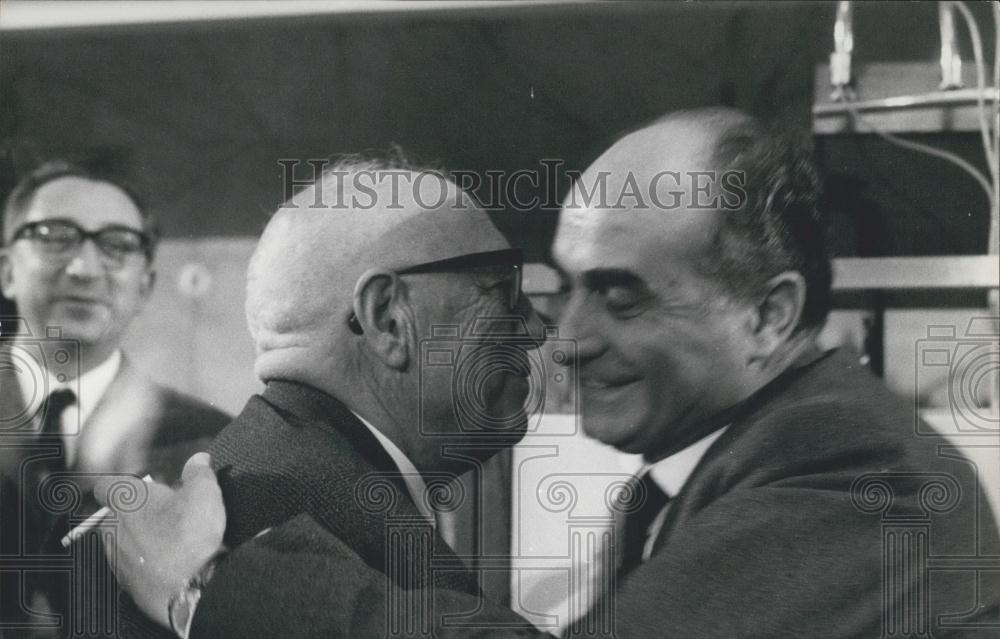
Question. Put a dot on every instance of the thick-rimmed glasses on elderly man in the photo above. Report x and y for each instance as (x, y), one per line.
(501, 269)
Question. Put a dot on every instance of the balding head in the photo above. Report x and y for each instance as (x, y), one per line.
(361, 216)
(681, 140)
(694, 256)
(651, 176)
(744, 195)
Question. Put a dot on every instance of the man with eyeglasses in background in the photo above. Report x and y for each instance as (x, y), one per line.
(77, 261)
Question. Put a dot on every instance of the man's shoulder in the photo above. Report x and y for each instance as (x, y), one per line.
(263, 435)
(832, 420)
(799, 491)
(836, 432)
(273, 466)
(835, 400)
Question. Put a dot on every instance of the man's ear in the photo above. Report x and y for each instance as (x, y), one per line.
(778, 313)
(383, 312)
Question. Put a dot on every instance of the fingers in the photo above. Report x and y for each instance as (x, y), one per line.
(107, 486)
(102, 488)
(198, 468)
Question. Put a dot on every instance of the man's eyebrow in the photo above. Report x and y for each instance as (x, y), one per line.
(603, 278)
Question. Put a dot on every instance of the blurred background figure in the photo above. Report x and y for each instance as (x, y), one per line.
(77, 263)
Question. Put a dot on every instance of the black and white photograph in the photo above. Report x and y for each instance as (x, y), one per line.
(496, 319)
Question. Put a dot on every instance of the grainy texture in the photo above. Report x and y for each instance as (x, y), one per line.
(765, 540)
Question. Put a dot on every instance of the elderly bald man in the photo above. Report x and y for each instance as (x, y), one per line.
(786, 494)
(345, 292)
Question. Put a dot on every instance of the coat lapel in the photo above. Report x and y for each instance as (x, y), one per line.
(381, 494)
(118, 434)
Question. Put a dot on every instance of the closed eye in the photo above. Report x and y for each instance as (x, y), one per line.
(624, 301)
(624, 293)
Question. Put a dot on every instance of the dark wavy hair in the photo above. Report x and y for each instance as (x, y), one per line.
(779, 225)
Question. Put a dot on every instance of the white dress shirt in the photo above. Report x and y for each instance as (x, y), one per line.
(415, 483)
(670, 474)
(89, 389)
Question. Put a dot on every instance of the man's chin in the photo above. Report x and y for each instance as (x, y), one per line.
(463, 450)
(87, 328)
(87, 335)
(615, 430)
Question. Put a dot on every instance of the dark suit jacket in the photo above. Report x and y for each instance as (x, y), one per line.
(295, 450)
(818, 513)
(164, 428)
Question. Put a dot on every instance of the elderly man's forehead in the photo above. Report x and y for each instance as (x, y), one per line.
(377, 188)
(403, 223)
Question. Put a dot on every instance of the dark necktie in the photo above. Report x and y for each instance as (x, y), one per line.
(47, 524)
(55, 406)
(649, 500)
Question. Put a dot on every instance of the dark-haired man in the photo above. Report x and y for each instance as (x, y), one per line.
(784, 492)
(77, 260)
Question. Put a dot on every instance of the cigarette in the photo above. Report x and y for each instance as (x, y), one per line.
(91, 521)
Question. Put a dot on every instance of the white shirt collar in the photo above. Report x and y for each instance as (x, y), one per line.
(415, 483)
(90, 387)
(671, 473)
(92, 384)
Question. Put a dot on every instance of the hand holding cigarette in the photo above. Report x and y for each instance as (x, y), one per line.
(92, 521)
(169, 539)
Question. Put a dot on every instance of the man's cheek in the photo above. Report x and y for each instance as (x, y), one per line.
(486, 306)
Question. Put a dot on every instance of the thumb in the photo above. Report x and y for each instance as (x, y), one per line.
(198, 468)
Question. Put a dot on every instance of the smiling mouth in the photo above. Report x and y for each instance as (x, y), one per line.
(600, 385)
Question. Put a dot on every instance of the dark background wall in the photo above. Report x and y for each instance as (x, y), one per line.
(197, 115)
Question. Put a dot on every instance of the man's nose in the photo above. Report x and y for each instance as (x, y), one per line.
(534, 324)
(577, 324)
(87, 263)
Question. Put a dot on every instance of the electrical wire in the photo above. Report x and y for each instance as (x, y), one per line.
(990, 136)
(994, 232)
(996, 128)
(849, 98)
(996, 81)
(984, 125)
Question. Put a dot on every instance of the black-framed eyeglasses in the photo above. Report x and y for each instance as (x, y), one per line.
(511, 261)
(59, 239)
